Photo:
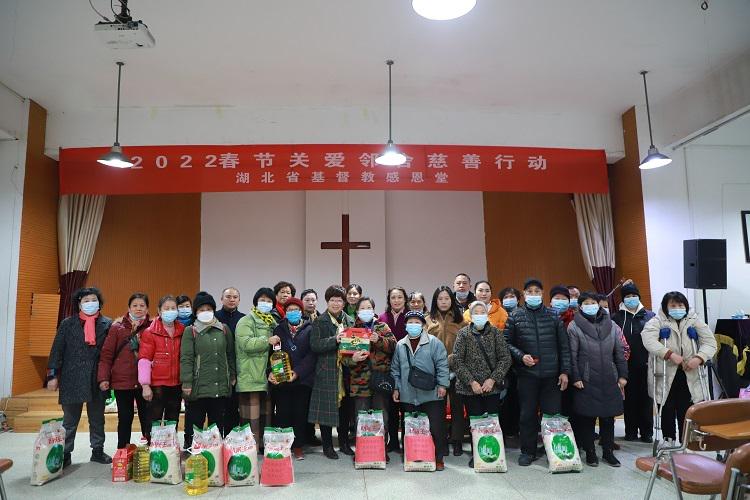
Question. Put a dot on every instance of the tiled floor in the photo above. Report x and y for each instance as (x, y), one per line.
(317, 477)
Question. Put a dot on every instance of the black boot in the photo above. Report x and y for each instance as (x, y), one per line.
(457, 449)
(67, 460)
(344, 444)
(609, 458)
(591, 458)
(98, 456)
(329, 452)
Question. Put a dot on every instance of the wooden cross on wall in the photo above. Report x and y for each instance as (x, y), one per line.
(345, 246)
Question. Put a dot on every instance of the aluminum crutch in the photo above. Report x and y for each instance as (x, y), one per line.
(702, 375)
(664, 334)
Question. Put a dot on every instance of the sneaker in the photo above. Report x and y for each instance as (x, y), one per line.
(457, 449)
(439, 465)
(591, 459)
(98, 456)
(609, 458)
(298, 453)
(525, 460)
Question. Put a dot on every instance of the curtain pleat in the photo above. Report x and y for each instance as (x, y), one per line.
(596, 234)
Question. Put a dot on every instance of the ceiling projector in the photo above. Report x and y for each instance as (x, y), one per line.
(125, 35)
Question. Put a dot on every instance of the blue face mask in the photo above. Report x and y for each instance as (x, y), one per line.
(264, 307)
(631, 302)
(294, 317)
(560, 304)
(90, 308)
(574, 303)
(677, 313)
(479, 320)
(366, 315)
(169, 316)
(533, 301)
(414, 330)
(184, 312)
(510, 304)
(135, 318)
(590, 309)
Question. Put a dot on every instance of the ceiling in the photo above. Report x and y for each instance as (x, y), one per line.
(544, 55)
(734, 133)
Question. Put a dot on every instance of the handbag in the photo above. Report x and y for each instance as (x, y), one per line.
(419, 378)
(382, 382)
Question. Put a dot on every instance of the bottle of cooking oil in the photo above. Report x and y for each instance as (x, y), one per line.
(141, 466)
(196, 474)
(281, 364)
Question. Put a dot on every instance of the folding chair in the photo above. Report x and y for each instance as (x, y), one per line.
(737, 475)
(5, 464)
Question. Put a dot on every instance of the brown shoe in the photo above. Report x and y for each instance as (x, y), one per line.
(298, 453)
(439, 465)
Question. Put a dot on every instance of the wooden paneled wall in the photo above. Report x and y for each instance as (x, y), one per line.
(631, 253)
(147, 243)
(37, 262)
(532, 235)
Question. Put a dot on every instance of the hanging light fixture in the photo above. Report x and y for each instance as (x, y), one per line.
(115, 158)
(391, 157)
(654, 159)
(442, 10)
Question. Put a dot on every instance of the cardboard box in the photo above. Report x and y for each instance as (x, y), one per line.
(355, 339)
(122, 464)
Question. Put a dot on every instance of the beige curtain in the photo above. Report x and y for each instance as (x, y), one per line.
(596, 234)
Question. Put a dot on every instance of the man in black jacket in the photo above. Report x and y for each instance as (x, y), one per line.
(462, 289)
(539, 346)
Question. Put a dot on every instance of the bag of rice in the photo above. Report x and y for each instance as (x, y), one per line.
(164, 456)
(419, 448)
(208, 443)
(370, 444)
(277, 467)
(560, 444)
(240, 457)
(489, 448)
(49, 452)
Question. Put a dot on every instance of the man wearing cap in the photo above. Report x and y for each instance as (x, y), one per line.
(632, 316)
(541, 352)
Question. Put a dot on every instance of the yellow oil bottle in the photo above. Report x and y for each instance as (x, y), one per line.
(141, 466)
(281, 364)
(196, 475)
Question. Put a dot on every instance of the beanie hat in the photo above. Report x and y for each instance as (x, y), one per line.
(294, 301)
(630, 289)
(415, 314)
(532, 281)
(559, 290)
(202, 299)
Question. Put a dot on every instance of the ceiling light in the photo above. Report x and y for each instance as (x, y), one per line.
(391, 157)
(442, 10)
(654, 159)
(115, 158)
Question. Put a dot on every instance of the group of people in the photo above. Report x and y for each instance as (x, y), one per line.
(464, 352)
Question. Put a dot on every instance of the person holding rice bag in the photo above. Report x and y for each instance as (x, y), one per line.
(480, 359)
(420, 371)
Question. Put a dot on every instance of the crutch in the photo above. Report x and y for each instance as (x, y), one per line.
(702, 373)
(663, 337)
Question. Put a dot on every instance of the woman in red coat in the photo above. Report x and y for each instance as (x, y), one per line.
(159, 362)
(118, 368)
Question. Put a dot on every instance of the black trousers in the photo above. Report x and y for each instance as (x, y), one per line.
(395, 422)
(435, 411)
(480, 404)
(231, 413)
(292, 403)
(585, 432)
(535, 393)
(346, 414)
(125, 413)
(511, 412)
(198, 410)
(639, 407)
(676, 405)
(165, 405)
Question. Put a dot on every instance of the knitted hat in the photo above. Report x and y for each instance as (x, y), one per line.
(294, 301)
(559, 290)
(202, 299)
(630, 289)
(531, 282)
(415, 314)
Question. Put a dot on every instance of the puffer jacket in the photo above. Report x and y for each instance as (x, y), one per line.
(252, 350)
(497, 316)
(163, 352)
(632, 327)
(679, 343)
(538, 332)
(207, 360)
(118, 362)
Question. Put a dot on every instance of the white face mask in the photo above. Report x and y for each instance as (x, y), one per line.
(205, 316)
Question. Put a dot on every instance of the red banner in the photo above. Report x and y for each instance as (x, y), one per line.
(193, 169)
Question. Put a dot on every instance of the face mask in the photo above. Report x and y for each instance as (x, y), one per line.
(462, 296)
(414, 330)
(90, 308)
(265, 307)
(573, 303)
(631, 302)
(479, 320)
(205, 316)
(677, 313)
(560, 304)
(184, 312)
(169, 316)
(533, 301)
(366, 315)
(590, 309)
(510, 304)
(135, 318)
(294, 317)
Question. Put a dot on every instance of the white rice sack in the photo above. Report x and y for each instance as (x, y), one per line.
(208, 443)
(560, 444)
(489, 448)
(278, 469)
(241, 457)
(49, 452)
(370, 442)
(164, 458)
(419, 448)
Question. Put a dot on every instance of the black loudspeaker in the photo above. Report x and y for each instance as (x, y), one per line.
(705, 264)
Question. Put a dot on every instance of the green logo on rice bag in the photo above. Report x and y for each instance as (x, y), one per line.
(55, 458)
(159, 464)
(211, 461)
(488, 448)
(563, 447)
(275, 455)
(239, 467)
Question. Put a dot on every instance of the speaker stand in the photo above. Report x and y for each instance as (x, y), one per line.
(710, 365)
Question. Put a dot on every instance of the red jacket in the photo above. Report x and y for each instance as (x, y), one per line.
(118, 364)
(163, 351)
